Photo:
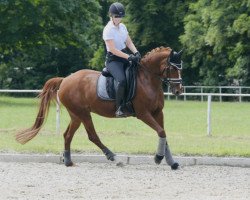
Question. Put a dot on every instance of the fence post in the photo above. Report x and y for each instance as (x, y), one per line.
(168, 92)
(185, 98)
(240, 93)
(209, 115)
(57, 114)
(202, 98)
(220, 93)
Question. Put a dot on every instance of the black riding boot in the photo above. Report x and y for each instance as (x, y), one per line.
(119, 100)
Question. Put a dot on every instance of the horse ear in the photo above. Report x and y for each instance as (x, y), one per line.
(180, 53)
(171, 54)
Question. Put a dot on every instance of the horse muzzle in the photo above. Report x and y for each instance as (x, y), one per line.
(176, 89)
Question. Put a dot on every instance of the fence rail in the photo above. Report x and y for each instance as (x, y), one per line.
(209, 99)
(212, 89)
(20, 91)
(209, 94)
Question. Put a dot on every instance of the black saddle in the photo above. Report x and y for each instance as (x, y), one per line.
(107, 86)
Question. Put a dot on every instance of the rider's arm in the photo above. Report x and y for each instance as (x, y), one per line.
(131, 45)
(110, 44)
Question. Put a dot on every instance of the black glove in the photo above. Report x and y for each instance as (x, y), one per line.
(133, 58)
(138, 55)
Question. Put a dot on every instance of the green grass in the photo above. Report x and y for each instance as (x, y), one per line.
(185, 125)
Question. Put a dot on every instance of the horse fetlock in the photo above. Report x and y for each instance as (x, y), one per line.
(67, 158)
(168, 156)
(109, 154)
(158, 159)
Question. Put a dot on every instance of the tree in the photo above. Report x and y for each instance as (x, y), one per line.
(155, 23)
(216, 35)
(44, 38)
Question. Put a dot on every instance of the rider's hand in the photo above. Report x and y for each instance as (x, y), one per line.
(133, 58)
(138, 55)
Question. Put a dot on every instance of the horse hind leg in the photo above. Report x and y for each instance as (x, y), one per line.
(93, 137)
(68, 136)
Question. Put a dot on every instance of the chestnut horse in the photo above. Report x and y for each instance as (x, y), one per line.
(77, 93)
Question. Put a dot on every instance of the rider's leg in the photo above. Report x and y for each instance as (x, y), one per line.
(117, 71)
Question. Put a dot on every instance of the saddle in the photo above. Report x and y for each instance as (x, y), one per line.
(107, 86)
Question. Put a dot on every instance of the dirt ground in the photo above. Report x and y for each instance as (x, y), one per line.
(107, 181)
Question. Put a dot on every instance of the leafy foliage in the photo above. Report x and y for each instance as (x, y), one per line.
(156, 23)
(217, 38)
(40, 39)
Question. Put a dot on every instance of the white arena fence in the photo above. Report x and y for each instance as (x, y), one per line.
(208, 95)
(209, 100)
(214, 89)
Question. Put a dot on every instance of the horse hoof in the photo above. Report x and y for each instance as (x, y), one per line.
(111, 158)
(69, 164)
(109, 154)
(158, 159)
(175, 166)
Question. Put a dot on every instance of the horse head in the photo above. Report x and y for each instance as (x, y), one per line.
(167, 65)
(173, 72)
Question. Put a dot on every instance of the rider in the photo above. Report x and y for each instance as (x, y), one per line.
(116, 38)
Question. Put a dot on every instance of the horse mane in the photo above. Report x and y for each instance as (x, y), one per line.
(153, 51)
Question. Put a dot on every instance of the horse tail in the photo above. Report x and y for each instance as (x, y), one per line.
(48, 93)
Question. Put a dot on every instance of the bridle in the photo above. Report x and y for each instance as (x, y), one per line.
(167, 69)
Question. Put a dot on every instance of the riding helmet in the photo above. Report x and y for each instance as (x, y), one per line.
(117, 9)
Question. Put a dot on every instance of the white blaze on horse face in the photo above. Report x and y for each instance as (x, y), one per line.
(179, 73)
(175, 83)
(180, 85)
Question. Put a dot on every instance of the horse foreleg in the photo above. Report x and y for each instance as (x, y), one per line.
(150, 121)
(168, 155)
(68, 135)
(93, 137)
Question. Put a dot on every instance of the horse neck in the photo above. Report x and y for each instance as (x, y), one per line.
(151, 71)
(149, 79)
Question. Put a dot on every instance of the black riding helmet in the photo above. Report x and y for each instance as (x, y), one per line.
(117, 10)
